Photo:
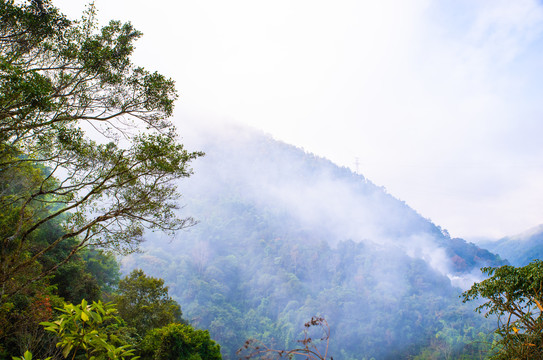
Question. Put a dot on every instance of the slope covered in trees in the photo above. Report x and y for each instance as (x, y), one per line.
(87, 159)
(284, 235)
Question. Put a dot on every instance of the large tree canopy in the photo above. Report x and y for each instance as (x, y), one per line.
(515, 296)
(85, 138)
(143, 301)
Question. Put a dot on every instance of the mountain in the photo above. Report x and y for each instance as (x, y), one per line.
(284, 235)
(520, 249)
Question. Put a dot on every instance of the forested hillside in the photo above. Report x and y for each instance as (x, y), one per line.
(284, 235)
(259, 240)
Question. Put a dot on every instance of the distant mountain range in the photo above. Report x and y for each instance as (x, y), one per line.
(284, 235)
(520, 249)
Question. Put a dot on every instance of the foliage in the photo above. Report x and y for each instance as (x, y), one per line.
(245, 287)
(515, 296)
(34, 296)
(85, 140)
(20, 328)
(463, 342)
(72, 282)
(89, 329)
(27, 356)
(91, 274)
(104, 269)
(179, 341)
(21, 313)
(144, 303)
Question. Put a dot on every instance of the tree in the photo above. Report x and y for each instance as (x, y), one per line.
(179, 342)
(85, 139)
(104, 268)
(515, 296)
(144, 303)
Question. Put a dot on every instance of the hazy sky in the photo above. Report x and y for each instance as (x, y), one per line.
(441, 101)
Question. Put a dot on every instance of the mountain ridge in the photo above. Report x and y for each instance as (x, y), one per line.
(284, 235)
(316, 172)
(519, 249)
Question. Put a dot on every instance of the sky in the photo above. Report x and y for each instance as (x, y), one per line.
(440, 101)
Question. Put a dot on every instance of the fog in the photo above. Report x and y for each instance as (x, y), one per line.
(284, 235)
(439, 100)
(314, 192)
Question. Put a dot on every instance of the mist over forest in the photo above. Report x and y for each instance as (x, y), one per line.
(130, 232)
(284, 235)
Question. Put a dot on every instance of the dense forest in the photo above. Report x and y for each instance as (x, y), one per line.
(284, 235)
(102, 257)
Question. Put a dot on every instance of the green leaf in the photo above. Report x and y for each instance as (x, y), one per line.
(66, 350)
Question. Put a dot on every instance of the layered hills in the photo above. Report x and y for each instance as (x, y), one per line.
(519, 249)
